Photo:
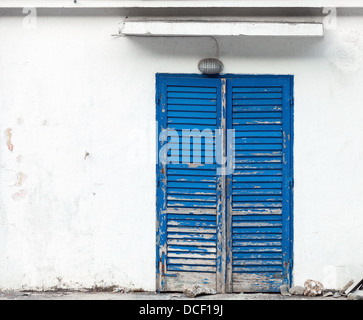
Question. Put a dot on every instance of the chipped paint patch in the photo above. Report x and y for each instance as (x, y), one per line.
(17, 196)
(21, 177)
(8, 137)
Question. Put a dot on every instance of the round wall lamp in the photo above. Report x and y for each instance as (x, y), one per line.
(210, 66)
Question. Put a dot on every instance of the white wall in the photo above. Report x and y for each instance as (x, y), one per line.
(67, 88)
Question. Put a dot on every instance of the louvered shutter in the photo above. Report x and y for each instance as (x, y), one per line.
(233, 232)
(188, 193)
(259, 189)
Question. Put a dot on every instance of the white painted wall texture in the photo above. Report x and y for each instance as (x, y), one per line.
(77, 152)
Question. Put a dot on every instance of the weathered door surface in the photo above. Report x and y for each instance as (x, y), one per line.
(189, 189)
(259, 190)
(229, 230)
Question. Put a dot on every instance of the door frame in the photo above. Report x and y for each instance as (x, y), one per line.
(224, 269)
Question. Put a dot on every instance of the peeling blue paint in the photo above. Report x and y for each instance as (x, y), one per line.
(203, 218)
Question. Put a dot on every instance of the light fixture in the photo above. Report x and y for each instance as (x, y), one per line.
(210, 66)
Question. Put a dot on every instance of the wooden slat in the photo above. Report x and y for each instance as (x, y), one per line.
(188, 156)
(237, 192)
(257, 230)
(196, 108)
(192, 243)
(191, 114)
(191, 268)
(195, 148)
(256, 166)
(243, 172)
(256, 211)
(191, 211)
(193, 257)
(197, 102)
(192, 167)
(271, 198)
(257, 115)
(254, 217)
(255, 248)
(259, 153)
(191, 198)
(256, 95)
(191, 249)
(256, 255)
(257, 147)
(256, 89)
(188, 185)
(257, 185)
(192, 95)
(256, 224)
(253, 160)
(190, 254)
(192, 223)
(196, 160)
(257, 269)
(257, 236)
(191, 236)
(191, 89)
(197, 121)
(196, 217)
(191, 172)
(239, 121)
(258, 133)
(248, 140)
(257, 102)
(257, 204)
(258, 108)
(191, 204)
(199, 127)
(257, 127)
(191, 230)
(184, 178)
(263, 243)
(190, 263)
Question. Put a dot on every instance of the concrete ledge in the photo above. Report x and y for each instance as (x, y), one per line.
(213, 28)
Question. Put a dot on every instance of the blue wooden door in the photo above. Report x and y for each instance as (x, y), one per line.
(189, 190)
(226, 230)
(259, 199)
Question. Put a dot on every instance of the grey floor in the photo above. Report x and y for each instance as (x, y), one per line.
(13, 295)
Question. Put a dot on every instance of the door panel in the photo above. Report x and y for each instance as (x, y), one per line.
(188, 186)
(259, 189)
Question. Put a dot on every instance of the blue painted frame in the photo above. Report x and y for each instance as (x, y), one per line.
(287, 81)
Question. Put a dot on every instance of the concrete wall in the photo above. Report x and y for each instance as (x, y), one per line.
(77, 147)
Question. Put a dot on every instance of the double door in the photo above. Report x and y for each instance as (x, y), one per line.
(224, 182)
